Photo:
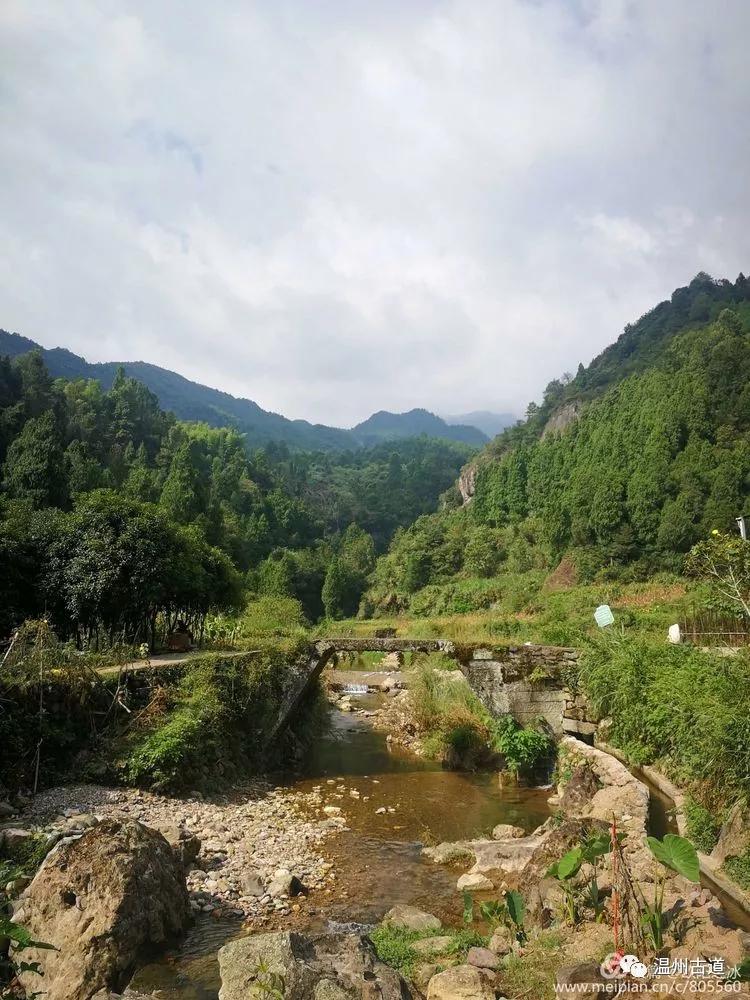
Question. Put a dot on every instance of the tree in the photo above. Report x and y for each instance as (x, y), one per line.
(183, 495)
(34, 468)
(340, 592)
(724, 560)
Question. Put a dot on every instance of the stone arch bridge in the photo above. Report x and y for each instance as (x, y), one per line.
(527, 681)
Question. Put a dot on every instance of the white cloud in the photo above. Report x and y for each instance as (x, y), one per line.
(334, 208)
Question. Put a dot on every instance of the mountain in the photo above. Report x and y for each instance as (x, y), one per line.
(488, 422)
(191, 401)
(620, 470)
(385, 426)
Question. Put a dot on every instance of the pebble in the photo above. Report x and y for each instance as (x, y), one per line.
(261, 834)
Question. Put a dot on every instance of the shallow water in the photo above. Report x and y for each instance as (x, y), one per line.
(378, 859)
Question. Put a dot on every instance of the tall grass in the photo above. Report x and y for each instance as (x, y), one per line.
(679, 707)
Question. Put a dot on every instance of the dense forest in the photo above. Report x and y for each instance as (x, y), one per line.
(622, 468)
(114, 514)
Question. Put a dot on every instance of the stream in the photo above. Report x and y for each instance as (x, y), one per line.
(378, 858)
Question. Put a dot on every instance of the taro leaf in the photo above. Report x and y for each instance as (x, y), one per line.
(596, 846)
(468, 907)
(678, 854)
(516, 906)
(569, 864)
(493, 910)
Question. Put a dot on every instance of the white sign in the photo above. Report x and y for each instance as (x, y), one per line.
(603, 616)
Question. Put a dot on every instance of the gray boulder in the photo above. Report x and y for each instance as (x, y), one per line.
(323, 966)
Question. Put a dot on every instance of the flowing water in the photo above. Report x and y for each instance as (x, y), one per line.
(378, 859)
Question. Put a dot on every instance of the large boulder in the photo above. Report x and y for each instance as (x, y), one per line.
(322, 967)
(105, 901)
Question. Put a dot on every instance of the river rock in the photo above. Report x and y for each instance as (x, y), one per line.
(506, 831)
(184, 843)
(474, 882)
(412, 918)
(13, 837)
(431, 946)
(462, 982)
(6, 810)
(482, 958)
(323, 966)
(103, 900)
(284, 884)
(584, 980)
(502, 941)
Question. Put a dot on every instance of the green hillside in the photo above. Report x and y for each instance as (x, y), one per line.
(654, 455)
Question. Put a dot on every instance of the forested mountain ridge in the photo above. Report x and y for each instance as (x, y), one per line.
(191, 401)
(385, 426)
(641, 345)
(651, 463)
(113, 512)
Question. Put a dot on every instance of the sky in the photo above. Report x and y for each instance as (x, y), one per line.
(339, 206)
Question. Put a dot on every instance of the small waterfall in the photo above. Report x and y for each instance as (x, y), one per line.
(354, 689)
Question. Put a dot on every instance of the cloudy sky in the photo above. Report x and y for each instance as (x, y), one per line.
(337, 206)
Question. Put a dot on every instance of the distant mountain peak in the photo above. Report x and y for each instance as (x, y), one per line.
(190, 400)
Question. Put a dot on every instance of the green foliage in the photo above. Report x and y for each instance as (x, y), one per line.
(268, 983)
(34, 469)
(566, 870)
(394, 945)
(737, 867)
(678, 855)
(686, 709)
(703, 825)
(221, 708)
(523, 747)
(449, 714)
(272, 617)
(69, 450)
(724, 561)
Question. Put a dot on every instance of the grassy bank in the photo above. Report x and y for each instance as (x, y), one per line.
(531, 607)
(457, 728)
(215, 722)
(684, 710)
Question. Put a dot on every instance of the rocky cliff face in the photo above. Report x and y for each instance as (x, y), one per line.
(467, 483)
(562, 419)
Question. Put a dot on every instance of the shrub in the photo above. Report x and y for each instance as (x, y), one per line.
(703, 826)
(737, 868)
(687, 710)
(523, 747)
(273, 616)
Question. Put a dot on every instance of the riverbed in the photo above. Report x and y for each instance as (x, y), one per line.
(393, 802)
